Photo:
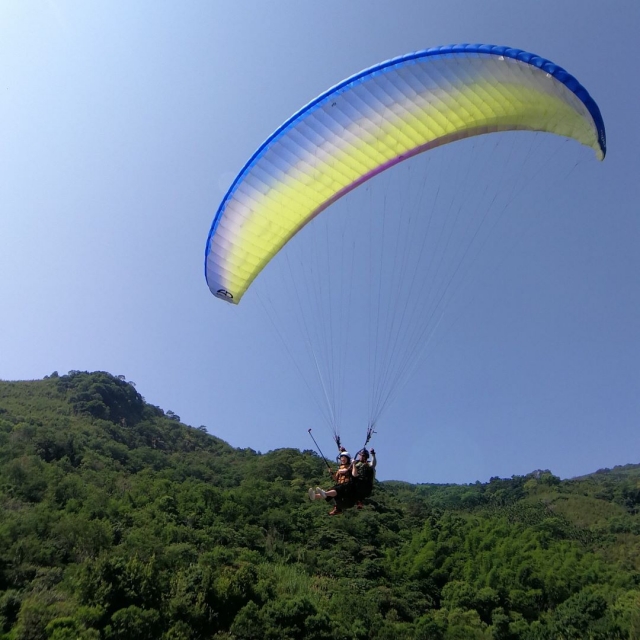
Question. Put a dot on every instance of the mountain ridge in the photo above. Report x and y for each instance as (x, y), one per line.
(119, 521)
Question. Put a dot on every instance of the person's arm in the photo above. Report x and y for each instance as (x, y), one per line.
(354, 469)
(373, 459)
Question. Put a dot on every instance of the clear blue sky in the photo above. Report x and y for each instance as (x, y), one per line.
(121, 127)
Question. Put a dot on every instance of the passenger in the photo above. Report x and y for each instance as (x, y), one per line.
(343, 488)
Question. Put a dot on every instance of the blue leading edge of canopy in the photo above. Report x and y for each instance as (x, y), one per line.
(508, 52)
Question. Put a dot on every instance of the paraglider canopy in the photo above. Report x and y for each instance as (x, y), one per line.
(374, 120)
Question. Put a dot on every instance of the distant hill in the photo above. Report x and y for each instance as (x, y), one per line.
(117, 521)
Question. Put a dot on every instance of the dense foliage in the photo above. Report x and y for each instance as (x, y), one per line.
(117, 522)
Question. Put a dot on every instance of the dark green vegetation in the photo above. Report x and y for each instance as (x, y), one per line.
(117, 521)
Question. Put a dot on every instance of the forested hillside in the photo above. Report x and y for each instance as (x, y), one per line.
(118, 522)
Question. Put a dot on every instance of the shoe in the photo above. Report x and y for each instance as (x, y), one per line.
(312, 494)
(359, 505)
(322, 493)
(335, 511)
